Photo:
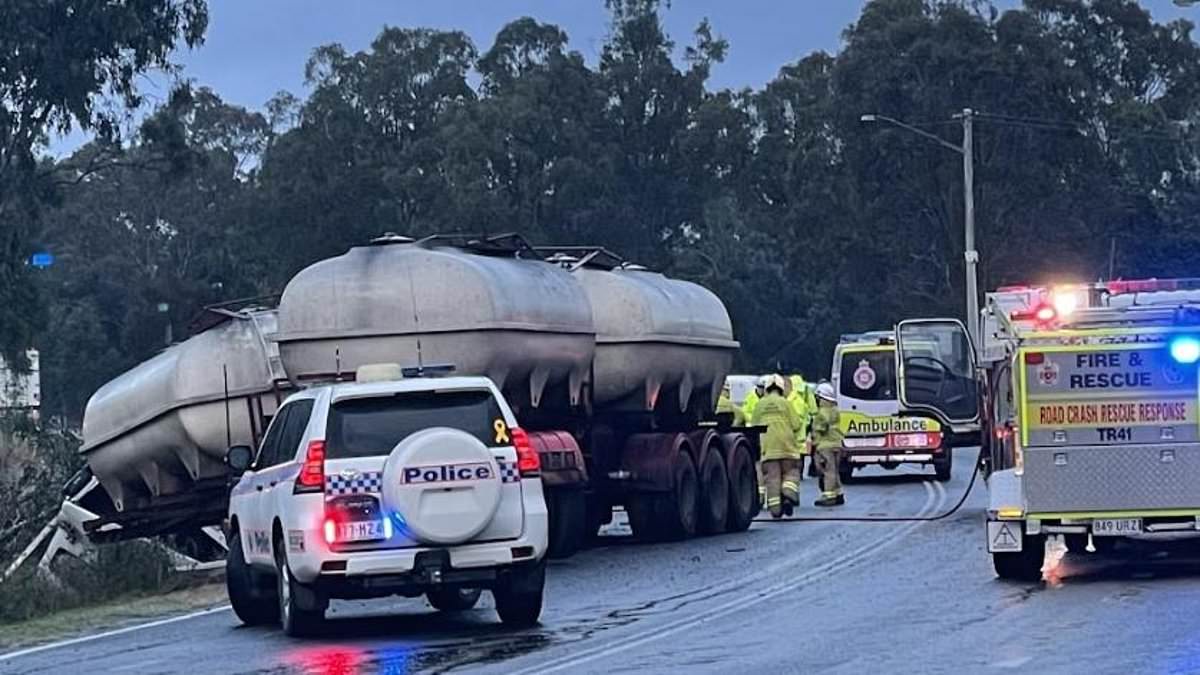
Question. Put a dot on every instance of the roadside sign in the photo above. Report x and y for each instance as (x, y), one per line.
(1004, 536)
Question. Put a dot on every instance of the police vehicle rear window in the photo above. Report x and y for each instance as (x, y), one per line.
(869, 376)
(366, 427)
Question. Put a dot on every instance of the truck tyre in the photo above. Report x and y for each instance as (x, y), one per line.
(1025, 566)
(301, 611)
(679, 509)
(943, 466)
(642, 510)
(251, 594)
(519, 596)
(743, 489)
(453, 599)
(714, 493)
(567, 508)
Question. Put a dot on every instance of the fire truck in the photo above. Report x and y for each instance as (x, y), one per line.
(1090, 417)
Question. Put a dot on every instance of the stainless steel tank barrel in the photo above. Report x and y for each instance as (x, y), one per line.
(655, 337)
(526, 324)
(160, 427)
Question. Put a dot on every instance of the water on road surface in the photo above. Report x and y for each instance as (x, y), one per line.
(827, 597)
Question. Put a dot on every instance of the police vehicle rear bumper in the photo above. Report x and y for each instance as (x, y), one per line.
(414, 564)
(430, 573)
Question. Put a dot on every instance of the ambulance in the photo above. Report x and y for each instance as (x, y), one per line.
(882, 430)
(1091, 417)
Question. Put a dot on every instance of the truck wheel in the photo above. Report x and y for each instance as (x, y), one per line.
(250, 593)
(568, 519)
(679, 509)
(1024, 566)
(301, 612)
(714, 493)
(943, 466)
(519, 597)
(642, 510)
(453, 599)
(743, 493)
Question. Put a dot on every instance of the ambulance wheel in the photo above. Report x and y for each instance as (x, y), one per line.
(943, 466)
(251, 593)
(845, 471)
(1025, 566)
(568, 521)
(714, 493)
(453, 599)
(301, 610)
(813, 470)
(743, 490)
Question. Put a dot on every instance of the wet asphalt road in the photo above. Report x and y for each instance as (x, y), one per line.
(783, 597)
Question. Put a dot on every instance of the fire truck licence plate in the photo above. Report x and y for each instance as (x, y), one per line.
(365, 530)
(1116, 527)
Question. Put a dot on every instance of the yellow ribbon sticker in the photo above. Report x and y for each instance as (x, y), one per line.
(501, 431)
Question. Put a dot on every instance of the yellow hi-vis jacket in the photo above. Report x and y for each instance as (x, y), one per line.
(827, 435)
(725, 405)
(774, 412)
(799, 398)
(749, 404)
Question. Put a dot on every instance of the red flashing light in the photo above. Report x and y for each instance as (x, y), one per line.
(1035, 358)
(1045, 314)
(312, 473)
(528, 462)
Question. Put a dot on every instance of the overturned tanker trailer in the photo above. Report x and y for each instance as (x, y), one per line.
(613, 369)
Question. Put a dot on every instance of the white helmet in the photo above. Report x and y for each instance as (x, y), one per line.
(825, 392)
(763, 381)
(775, 381)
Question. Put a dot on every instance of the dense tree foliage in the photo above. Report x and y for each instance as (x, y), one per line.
(807, 222)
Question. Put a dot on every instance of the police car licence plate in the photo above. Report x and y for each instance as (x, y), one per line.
(1116, 527)
(365, 530)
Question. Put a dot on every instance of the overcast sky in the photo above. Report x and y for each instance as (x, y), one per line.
(256, 48)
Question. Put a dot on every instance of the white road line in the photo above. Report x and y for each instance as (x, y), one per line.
(936, 497)
(120, 631)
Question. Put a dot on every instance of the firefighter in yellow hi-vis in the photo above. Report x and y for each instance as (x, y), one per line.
(780, 452)
(827, 436)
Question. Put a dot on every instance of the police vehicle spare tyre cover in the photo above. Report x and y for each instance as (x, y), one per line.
(444, 484)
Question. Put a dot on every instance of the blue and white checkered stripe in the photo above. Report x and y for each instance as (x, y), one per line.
(366, 482)
(508, 471)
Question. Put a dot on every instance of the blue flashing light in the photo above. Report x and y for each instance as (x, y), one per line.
(41, 260)
(387, 528)
(1185, 349)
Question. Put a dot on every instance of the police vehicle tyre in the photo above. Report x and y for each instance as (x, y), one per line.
(743, 493)
(679, 509)
(519, 596)
(250, 594)
(453, 599)
(568, 512)
(296, 620)
(714, 493)
(1024, 566)
(943, 467)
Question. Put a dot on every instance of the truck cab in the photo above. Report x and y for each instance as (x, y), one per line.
(1093, 396)
(872, 377)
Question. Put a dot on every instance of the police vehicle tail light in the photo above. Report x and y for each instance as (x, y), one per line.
(312, 472)
(528, 462)
(330, 531)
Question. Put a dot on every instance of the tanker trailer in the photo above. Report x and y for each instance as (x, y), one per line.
(155, 437)
(613, 370)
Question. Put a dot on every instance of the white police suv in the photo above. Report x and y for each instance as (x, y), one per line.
(387, 486)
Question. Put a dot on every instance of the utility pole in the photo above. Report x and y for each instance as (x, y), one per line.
(971, 255)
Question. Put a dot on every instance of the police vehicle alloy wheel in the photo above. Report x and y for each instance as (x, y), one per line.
(714, 493)
(519, 596)
(453, 599)
(296, 619)
(1024, 566)
(251, 594)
